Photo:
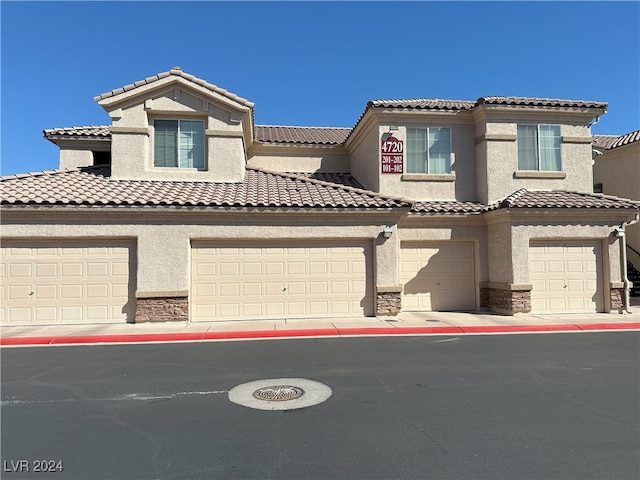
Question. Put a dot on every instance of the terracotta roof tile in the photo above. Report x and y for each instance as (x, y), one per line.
(562, 199)
(101, 132)
(448, 207)
(424, 103)
(609, 142)
(301, 135)
(540, 102)
(345, 179)
(260, 188)
(631, 137)
(604, 141)
(176, 71)
(263, 133)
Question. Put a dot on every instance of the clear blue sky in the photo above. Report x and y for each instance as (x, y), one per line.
(306, 63)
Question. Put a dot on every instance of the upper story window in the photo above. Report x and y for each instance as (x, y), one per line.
(429, 150)
(178, 143)
(539, 148)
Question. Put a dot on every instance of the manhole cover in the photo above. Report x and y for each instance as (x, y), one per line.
(278, 393)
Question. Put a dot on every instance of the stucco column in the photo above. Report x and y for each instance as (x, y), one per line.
(162, 274)
(387, 262)
(508, 290)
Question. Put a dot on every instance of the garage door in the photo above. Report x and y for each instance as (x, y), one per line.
(566, 277)
(61, 282)
(292, 280)
(438, 276)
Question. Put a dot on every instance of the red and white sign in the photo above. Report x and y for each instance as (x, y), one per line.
(392, 154)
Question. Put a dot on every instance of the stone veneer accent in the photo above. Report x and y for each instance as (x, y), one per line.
(388, 303)
(162, 309)
(616, 296)
(507, 301)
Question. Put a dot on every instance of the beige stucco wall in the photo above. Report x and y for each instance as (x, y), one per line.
(71, 158)
(365, 150)
(510, 236)
(460, 185)
(497, 149)
(299, 159)
(132, 136)
(163, 240)
(619, 172)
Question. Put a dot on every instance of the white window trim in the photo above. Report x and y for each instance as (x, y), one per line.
(435, 176)
(178, 167)
(539, 170)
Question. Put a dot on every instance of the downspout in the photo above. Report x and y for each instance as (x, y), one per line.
(625, 279)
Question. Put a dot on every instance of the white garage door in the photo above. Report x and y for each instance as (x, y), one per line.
(57, 282)
(566, 277)
(438, 276)
(289, 280)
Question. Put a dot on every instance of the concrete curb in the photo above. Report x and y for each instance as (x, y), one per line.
(323, 332)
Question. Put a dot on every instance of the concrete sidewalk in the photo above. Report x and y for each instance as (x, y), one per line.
(407, 323)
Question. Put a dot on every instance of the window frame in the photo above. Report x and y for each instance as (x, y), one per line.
(539, 148)
(428, 161)
(178, 149)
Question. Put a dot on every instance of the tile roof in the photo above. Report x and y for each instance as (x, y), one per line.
(448, 207)
(301, 135)
(609, 142)
(467, 105)
(540, 102)
(423, 103)
(92, 186)
(438, 104)
(177, 72)
(100, 132)
(604, 141)
(345, 179)
(263, 133)
(524, 198)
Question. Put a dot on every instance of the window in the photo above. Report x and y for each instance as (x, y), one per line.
(539, 148)
(178, 144)
(429, 150)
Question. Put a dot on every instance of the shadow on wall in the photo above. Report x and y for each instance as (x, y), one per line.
(440, 285)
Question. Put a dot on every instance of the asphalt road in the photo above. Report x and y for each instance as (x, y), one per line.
(511, 407)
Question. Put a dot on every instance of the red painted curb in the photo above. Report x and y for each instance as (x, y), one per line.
(321, 332)
(312, 332)
(610, 326)
(521, 328)
(401, 331)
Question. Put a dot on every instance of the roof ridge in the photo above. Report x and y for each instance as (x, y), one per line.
(43, 173)
(175, 71)
(302, 126)
(509, 200)
(294, 176)
(423, 99)
(598, 195)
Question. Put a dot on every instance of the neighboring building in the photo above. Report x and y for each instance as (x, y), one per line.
(616, 171)
(183, 208)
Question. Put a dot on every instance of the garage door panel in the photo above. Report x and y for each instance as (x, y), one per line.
(251, 268)
(438, 276)
(319, 308)
(283, 281)
(60, 281)
(566, 276)
(17, 315)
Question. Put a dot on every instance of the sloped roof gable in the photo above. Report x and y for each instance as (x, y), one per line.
(175, 74)
(92, 186)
